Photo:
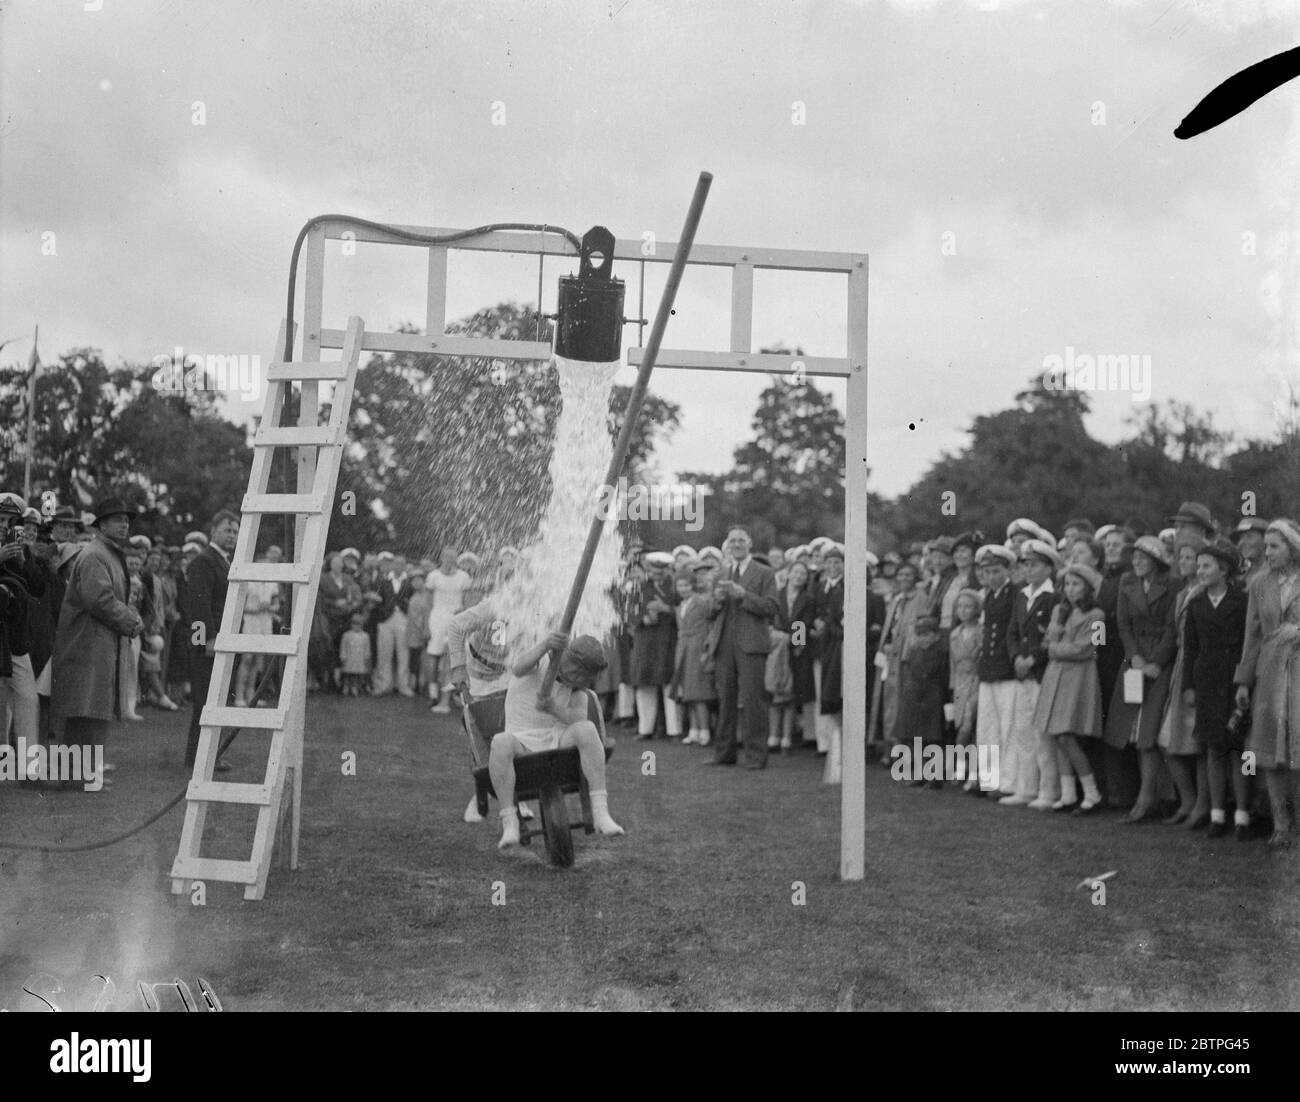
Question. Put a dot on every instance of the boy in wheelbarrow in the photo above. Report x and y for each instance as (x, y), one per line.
(535, 723)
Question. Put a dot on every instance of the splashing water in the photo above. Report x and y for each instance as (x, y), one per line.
(532, 601)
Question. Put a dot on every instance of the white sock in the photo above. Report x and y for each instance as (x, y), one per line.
(600, 814)
(509, 828)
(1239, 817)
(1218, 815)
(471, 811)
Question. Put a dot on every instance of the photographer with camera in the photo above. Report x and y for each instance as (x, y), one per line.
(21, 581)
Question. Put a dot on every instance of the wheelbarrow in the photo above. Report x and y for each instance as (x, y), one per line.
(549, 776)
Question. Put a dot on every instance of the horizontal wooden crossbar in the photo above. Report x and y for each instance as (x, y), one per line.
(229, 792)
(256, 644)
(290, 572)
(209, 868)
(625, 248)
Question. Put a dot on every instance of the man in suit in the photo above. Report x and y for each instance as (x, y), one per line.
(206, 585)
(744, 605)
(393, 657)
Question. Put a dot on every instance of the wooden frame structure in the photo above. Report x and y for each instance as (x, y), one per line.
(743, 262)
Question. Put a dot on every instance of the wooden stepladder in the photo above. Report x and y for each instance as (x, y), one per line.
(320, 453)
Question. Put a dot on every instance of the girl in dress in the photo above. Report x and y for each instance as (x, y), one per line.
(129, 660)
(449, 584)
(963, 665)
(260, 606)
(795, 622)
(692, 682)
(354, 653)
(1268, 677)
(1069, 701)
(654, 648)
(1177, 739)
(1213, 635)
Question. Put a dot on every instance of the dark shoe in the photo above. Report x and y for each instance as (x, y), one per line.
(755, 764)
(1197, 821)
(1217, 830)
(719, 761)
(1149, 815)
(1085, 808)
(644, 738)
(1176, 818)
(1280, 840)
(1244, 833)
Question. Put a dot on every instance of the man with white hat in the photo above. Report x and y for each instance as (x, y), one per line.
(995, 708)
(1037, 777)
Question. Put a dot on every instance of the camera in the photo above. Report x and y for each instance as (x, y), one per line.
(1239, 721)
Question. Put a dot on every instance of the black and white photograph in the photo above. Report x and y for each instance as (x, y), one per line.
(634, 506)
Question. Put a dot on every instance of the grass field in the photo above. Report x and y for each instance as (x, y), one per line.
(965, 905)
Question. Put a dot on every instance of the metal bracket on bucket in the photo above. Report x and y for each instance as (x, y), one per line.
(589, 322)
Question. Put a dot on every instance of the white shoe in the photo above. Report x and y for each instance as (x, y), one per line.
(1015, 801)
(471, 811)
(702, 739)
(509, 835)
(405, 692)
(167, 704)
(1042, 804)
(442, 707)
(605, 825)
(133, 717)
(240, 702)
(689, 740)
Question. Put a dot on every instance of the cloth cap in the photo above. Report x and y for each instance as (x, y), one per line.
(659, 558)
(588, 653)
(196, 537)
(1193, 512)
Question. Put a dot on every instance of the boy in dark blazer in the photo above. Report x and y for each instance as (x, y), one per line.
(1037, 777)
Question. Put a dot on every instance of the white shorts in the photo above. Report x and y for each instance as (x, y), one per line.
(535, 741)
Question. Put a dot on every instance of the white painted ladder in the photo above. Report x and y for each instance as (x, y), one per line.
(320, 453)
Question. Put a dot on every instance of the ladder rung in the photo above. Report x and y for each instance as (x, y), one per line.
(297, 436)
(283, 503)
(292, 371)
(227, 792)
(256, 644)
(270, 719)
(270, 572)
(210, 868)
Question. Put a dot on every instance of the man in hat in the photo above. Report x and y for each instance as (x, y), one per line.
(95, 622)
(207, 583)
(745, 600)
(1192, 518)
(64, 525)
(22, 585)
(942, 593)
(995, 708)
(535, 722)
(1037, 778)
(1249, 538)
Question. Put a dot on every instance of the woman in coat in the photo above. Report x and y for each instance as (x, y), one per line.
(337, 598)
(654, 648)
(1213, 635)
(1145, 617)
(797, 606)
(1268, 676)
(828, 630)
(693, 681)
(94, 621)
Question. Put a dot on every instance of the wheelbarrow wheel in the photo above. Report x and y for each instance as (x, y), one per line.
(555, 827)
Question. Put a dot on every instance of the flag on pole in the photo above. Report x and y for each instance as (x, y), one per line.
(33, 365)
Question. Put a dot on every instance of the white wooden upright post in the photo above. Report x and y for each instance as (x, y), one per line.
(853, 807)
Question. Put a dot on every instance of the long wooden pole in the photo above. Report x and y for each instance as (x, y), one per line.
(634, 402)
(31, 417)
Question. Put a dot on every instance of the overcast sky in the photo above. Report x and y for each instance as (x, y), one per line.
(922, 120)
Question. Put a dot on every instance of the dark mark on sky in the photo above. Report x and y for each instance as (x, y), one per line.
(1239, 91)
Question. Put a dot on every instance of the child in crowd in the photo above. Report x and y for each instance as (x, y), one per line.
(417, 629)
(920, 712)
(1068, 706)
(355, 654)
(963, 665)
(692, 680)
(129, 651)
